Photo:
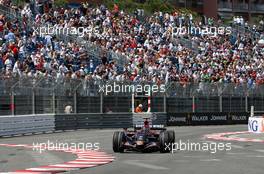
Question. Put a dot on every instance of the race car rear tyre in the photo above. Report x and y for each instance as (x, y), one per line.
(164, 142)
(172, 136)
(118, 139)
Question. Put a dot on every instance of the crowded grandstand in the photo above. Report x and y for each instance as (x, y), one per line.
(147, 49)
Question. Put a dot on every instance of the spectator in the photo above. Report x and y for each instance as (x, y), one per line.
(68, 109)
(139, 108)
(108, 110)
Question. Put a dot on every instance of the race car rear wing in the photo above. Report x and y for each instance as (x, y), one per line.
(156, 127)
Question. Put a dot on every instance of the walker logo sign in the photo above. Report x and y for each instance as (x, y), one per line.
(199, 118)
(256, 124)
(239, 118)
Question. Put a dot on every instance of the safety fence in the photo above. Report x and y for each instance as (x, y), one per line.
(24, 96)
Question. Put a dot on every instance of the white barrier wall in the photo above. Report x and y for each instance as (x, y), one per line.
(13, 125)
(256, 124)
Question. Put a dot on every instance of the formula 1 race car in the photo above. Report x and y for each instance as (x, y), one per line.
(144, 139)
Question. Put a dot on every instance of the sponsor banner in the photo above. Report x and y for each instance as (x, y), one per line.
(256, 124)
(238, 118)
(177, 119)
(208, 118)
(224, 118)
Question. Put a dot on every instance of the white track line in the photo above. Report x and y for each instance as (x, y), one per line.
(144, 165)
(237, 146)
(209, 160)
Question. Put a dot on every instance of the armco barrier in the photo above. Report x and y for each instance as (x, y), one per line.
(104, 121)
(13, 125)
(155, 118)
(160, 119)
(224, 118)
(87, 121)
(65, 122)
(138, 118)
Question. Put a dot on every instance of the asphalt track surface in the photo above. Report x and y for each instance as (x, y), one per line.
(243, 158)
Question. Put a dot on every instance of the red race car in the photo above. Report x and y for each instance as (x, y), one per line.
(145, 138)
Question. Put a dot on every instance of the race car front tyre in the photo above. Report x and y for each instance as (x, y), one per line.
(165, 142)
(118, 139)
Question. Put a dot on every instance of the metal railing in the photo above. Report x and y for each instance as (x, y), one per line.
(241, 29)
(240, 6)
(22, 96)
(225, 5)
(187, 43)
(257, 7)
